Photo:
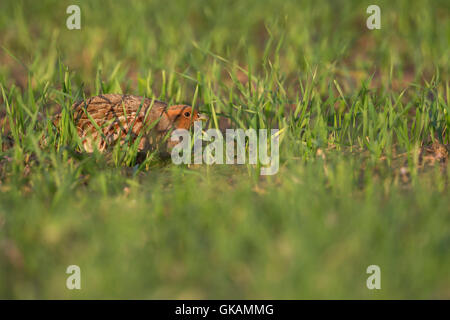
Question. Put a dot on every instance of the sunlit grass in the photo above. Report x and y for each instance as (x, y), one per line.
(358, 110)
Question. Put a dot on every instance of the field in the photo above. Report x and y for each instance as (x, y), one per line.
(364, 118)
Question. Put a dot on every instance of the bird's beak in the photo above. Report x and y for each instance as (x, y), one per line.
(202, 117)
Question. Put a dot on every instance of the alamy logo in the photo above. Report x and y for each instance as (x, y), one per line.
(374, 281)
(74, 20)
(239, 140)
(74, 280)
(374, 20)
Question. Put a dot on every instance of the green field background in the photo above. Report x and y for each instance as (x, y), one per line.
(359, 109)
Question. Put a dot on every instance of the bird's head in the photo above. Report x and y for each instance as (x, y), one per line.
(182, 116)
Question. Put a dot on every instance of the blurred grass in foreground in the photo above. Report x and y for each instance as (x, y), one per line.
(359, 108)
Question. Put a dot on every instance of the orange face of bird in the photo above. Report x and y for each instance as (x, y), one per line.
(183, 117)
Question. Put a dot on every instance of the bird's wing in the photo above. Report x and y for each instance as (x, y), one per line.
(108, 106)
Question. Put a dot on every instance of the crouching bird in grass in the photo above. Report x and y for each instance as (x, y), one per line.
(103, 120)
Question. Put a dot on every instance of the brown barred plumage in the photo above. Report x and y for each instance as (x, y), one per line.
(115, 115)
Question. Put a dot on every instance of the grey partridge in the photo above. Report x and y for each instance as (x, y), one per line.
(103, 119)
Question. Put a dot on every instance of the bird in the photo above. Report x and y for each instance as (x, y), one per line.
(104, 119)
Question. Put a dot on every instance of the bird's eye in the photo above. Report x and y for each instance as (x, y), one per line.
(187, 114)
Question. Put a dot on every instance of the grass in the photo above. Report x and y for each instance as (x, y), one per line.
(359, 181)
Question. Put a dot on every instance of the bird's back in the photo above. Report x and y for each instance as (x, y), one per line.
(114, 115)
(105, 107)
